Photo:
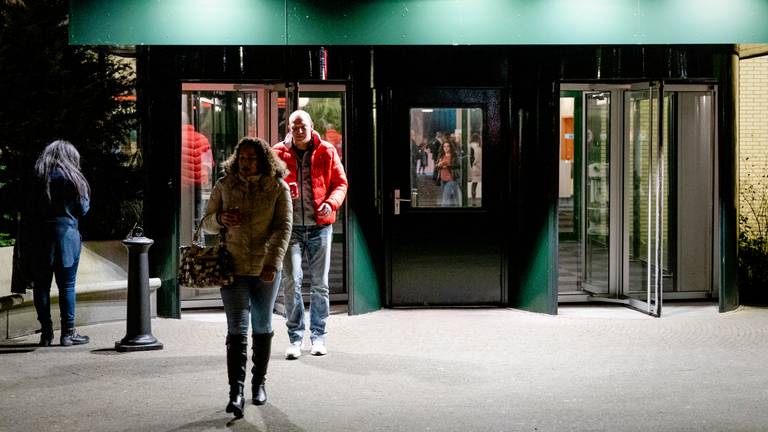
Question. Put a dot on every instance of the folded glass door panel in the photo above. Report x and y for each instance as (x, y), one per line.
(645, 189)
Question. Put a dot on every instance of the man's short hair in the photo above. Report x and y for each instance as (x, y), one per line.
(303, 114)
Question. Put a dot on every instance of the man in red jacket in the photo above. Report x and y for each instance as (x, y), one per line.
(318, 188)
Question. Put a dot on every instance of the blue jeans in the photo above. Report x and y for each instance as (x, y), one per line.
(65, 281)
(450, 194)
(249, 299)
(316, 242)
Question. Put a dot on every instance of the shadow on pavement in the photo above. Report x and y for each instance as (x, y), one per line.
(257, 419)
(18, 348)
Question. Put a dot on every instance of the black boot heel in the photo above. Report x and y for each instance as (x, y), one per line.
(46, 335)
(46, 339)
(236, 404)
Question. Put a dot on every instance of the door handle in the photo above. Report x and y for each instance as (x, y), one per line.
(398, 200)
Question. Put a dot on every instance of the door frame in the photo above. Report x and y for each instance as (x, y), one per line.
(299, 87)
(267, 122)
(390, 131)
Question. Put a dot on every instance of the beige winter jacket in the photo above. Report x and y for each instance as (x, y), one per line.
(267, 213)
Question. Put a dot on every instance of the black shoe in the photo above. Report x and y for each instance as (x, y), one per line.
(70, 337)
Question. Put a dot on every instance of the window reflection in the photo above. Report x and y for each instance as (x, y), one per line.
(446, 157)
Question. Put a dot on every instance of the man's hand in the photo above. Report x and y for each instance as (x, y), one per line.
(324, 210)
(268, 273)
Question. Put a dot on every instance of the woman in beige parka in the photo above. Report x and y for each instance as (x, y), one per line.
(252, 203)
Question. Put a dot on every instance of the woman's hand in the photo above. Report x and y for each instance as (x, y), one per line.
(230, 218)
(268, 273)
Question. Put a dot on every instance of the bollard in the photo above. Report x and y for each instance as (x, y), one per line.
(138, 335)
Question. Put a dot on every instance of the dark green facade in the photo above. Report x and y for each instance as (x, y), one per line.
(392, 54)
(527, 78)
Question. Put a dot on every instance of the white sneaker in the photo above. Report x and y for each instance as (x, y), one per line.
(293, 351)
(318, 348)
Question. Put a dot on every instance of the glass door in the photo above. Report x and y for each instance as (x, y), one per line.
(326, 105)
(645, 190)
(444, 225)
(647, 182)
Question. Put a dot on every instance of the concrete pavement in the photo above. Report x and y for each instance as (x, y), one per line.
(591, 368)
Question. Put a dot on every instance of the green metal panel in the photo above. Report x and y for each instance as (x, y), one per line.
(177, 22)
(417, 22)
(525, 22)
(365, 294)
(166, 262)
(537, 292)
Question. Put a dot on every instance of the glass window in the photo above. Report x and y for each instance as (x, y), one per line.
(446, 157)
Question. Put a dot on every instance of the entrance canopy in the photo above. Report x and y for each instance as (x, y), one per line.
(416, 22)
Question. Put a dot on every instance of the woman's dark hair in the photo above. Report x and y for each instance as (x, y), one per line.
(61, 155)
(268, 162)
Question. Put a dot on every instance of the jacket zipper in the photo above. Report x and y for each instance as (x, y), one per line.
(299, 171)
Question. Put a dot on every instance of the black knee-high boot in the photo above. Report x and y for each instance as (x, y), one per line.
(262, 346)
(237, 356)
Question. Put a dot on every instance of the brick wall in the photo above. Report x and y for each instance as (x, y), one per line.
(753, 128)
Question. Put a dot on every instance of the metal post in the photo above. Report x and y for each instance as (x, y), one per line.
(138, 325)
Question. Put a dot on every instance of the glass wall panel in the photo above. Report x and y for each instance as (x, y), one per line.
(212, 122)
(446, 157)
(597, 153)
(568, 209)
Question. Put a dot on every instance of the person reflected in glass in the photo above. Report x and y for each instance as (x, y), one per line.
(196, 162)
(435, 149)
(415, 158)
(61, 197)
(253, 203)
(449, 166)
(423, 156)
(475, 166)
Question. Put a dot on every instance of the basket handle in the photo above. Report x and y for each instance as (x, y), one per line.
(196, 237)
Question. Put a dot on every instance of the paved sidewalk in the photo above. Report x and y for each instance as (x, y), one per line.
(596, 368)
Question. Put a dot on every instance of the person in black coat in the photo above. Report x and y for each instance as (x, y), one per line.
(62, 196)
